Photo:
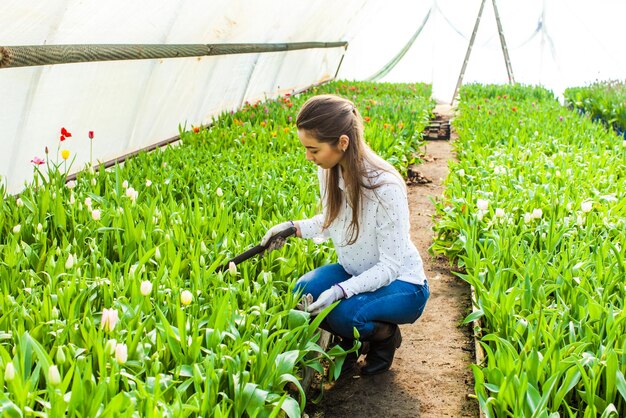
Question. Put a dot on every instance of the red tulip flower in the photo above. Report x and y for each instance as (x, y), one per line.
(38, 161)
(90, 134)
(65, 133)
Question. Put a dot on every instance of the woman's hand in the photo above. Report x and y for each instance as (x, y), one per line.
(326, 299)
(277, 229)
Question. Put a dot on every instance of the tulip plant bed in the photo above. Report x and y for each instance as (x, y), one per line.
(535, 214)
(605, 101)
(110, 302)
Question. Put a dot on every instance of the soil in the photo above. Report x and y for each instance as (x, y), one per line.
(430, 375)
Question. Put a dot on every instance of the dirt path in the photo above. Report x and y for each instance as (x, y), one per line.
(430, 376)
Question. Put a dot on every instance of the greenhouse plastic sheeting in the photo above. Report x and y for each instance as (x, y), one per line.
(557, 43)
(132, 104)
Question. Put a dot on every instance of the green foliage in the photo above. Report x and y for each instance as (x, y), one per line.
(603, 100)
(134, 239)
(471, 92)
(545, 254)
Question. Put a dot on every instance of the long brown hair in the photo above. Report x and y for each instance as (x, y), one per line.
(326, 117)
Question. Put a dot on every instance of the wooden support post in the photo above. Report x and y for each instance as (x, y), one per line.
(505, 51)
(469, 51)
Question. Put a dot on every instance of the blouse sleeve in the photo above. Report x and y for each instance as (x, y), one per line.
(392, 237)
(312, 227)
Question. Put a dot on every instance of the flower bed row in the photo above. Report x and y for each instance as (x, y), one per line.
(604, 101)
(110, 303)
(535, 214)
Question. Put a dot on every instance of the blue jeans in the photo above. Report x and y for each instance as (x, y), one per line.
(399, 302)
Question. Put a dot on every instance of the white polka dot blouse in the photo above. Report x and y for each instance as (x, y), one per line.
(383, 251)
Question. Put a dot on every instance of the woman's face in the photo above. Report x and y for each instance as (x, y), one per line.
(320, 153)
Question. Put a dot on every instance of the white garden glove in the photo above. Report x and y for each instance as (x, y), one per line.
(305, 301)
(275, 230)
(326, 299)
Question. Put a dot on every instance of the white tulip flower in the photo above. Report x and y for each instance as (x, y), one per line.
(121, 353)
(186, 297)
(9, 372)
(19, 202)
(146, 287)
(95, 214)
(232, 268)
(586, 206)
(132, 194)
(69, 263)
(500, 213)
(537, 214)
(54, 377)
(109, 319)
(125, 184)
(219, 192)
(482, 204)
(17, 228)
(110, 345)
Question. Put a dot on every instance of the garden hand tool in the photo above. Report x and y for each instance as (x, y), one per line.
(275, 241)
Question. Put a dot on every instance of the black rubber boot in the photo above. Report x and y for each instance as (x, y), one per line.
(326, 327)
(384, 341)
